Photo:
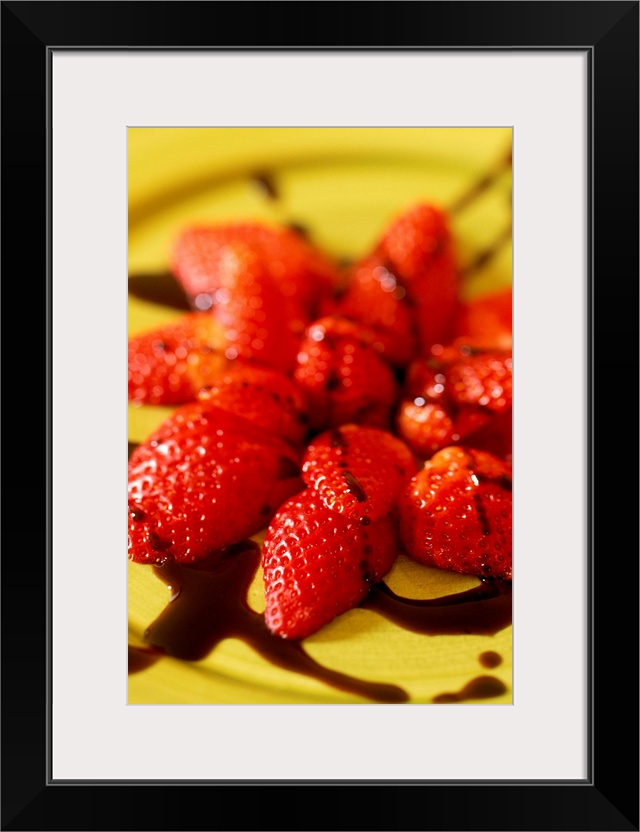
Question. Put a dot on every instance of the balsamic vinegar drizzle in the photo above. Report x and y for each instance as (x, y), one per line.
(266, 184)
(300, 229)
(482, 610)
(482, 687)
(482, 185)
(140, 658)
(209, 598)
(161, 288)
(487, 254)
(209, 603)
(490, 659)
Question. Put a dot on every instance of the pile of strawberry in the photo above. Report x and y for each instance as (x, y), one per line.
(351, 412)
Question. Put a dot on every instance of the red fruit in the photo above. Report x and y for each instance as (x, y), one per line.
(435, 301)
(195, 262)
(358, 471)
(425, 377)
(374, 299)
(494, 435)
(456, 514)
(487, 320)
(483, 379)
(266, 397)
(305, 275)
(457, 400)
(414, 239)
(425, 426)
(205, 479)
(417, 247)
(258, 321)
(343, 377)
(168, 365)
(318, 564)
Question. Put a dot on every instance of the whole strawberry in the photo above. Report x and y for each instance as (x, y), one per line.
(169, 364)
(418, 249)
(205, 479)
(318, 564)
(358, 470)
(259, 322)
(425, 426)
(305, 275)
(414, 239)
(374, 299)
(343, 377)
(456, 514)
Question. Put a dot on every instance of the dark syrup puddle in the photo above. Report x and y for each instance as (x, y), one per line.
(482, 687)
(209, 603)
(161, 288)
(483, 610)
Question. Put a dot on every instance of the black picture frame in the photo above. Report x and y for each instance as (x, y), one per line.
(608, 798)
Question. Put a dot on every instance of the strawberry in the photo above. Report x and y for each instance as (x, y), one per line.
(418, 248)
(317, 564)
(205, 479)
(414, 239)
(424, 426)
(358, 471)
(455, 514)
(259, 323)
(494, 434)
(435, 301)
(262, 395)
(483, 379)
(305, 275)
(486, 321)
(343, 376)
(168, 365)
(374, 299)
(194, 260)
(463, 397)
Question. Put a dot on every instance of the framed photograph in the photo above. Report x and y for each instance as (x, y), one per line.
(126, 122)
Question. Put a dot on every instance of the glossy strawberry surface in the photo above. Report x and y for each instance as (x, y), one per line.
(169, 364)
(414, 239)
(358, 470)
(259, 322)
(456, 514)
(205, 479)
(318, 564)
(305, 274)
(264, 396)
(374, 298)
(455, 398)
(342, 375)
(418, 248)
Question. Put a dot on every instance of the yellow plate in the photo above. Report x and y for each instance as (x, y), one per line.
(343, 185)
